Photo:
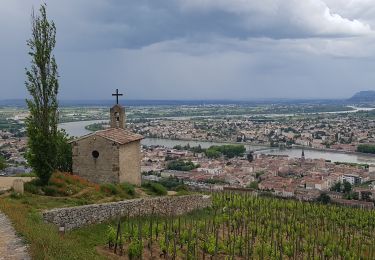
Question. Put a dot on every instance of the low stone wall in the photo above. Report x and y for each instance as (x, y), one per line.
(75, 217)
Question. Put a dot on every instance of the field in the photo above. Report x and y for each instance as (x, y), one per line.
(248, 227)
(236, 227)
(65, 190)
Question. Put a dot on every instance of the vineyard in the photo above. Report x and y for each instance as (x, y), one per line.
(248, 227)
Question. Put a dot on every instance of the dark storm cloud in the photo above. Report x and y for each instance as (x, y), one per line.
(135, 24)
(198, 48)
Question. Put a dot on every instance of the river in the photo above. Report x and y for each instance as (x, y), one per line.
(327, 155)
(78, 129)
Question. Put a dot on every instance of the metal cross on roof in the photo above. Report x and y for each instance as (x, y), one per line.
(117, 95)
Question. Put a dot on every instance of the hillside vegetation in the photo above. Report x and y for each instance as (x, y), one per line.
(249, 227)
(236, 227)
(64, 190)
(66, 185)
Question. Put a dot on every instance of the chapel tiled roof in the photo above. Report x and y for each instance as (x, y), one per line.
(119, 135)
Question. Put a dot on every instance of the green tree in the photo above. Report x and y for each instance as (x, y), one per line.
(42, 84)
(181, 165)
(366, 148)
(336, 187)
(253, 185)
(347, 187)
(3, 164)
(211, 153)
(229, 151)
(324, 198)
(64, 152)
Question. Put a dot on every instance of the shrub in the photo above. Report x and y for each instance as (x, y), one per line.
(182, 190)
(171, 183)
(32, 187)
(128, 188)
(51, 191)
(3, 163)
(111, 236)
(182, 187)
(181, 165)
(109, 188)
(324, 198)
(58, 182)
(135, 249)
(65, 178)
(156, 188)
(253, 185)
(16, 195)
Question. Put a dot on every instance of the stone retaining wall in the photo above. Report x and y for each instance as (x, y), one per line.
(75, 217)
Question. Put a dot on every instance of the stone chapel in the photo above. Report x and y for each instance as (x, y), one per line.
(112, 155)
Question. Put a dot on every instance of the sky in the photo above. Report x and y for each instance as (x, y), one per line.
(197, 49)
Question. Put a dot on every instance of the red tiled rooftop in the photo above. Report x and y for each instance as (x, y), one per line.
(118, 135)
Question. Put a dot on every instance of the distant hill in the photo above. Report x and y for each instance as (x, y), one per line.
(363, 96)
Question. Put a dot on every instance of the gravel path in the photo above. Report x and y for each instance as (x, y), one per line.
(11, 246)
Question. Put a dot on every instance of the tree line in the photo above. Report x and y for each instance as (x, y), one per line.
(366, 148)
(216, 151)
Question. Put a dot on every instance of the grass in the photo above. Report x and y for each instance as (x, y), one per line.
(65, 185)
(154, 188)
(64, 190)
(44, 240)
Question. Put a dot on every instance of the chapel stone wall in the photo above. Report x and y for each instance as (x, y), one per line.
(104, 168)
(130, 163)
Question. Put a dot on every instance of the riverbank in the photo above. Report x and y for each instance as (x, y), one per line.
(265, 147)
(216, 142)
(332, 150)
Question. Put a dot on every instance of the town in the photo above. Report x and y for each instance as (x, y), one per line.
(301, 178)
(284, 176)
(341, 132)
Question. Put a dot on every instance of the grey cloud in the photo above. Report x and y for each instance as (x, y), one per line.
(150, 21)
(135, 24)
(198, 48)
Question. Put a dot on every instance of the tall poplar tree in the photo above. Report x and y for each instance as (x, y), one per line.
(42, 84)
